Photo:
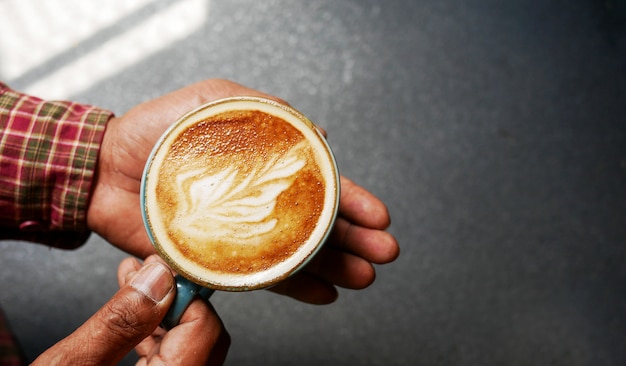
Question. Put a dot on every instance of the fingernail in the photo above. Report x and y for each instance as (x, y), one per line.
(153, 280)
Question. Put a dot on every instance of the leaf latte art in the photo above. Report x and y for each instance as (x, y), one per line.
(241, 193)
(228, 206)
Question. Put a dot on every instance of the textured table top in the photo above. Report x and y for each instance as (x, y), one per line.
(495, 132)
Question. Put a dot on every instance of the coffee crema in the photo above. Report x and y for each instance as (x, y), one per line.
(242, 195)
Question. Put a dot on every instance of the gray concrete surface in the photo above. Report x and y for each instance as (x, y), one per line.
(494, 130)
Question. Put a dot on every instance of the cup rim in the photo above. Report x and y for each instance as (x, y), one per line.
(261, 284)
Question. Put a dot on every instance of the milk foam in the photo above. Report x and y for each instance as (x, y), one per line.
(240, 196)
(230, 206)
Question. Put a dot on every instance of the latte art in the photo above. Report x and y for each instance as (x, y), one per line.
(240, 194)
(232, 207)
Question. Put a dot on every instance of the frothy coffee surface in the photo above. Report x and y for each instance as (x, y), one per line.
(239, 192)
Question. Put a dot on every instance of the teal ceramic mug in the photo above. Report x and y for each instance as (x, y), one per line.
(238, 195)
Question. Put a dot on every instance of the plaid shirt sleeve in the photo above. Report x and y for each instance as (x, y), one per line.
(48, 154)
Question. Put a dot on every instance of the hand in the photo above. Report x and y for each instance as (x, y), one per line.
(131, 318)
(358, 239)
(114, 211)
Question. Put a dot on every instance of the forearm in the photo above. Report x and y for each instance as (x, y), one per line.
(48, 155)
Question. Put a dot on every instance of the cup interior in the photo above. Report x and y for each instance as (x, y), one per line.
(262, 279)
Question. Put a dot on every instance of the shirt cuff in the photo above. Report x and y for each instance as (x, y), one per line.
(49, 153)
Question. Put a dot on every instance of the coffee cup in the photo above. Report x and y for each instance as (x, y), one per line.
(238, 195)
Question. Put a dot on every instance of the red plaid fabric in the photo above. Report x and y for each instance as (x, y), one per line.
(10, 354)
(48, 154)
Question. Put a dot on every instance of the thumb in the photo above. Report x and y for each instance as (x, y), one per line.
(131, 315)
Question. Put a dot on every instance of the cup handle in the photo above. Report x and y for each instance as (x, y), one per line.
(185, 293)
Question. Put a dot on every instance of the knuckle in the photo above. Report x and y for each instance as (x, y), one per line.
(123, 322)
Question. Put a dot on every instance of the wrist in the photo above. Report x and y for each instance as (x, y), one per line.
(114, 211)
(95, 208)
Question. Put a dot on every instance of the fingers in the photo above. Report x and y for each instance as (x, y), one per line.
(373, 245)
(130, 316)
(307, 288)
(322, 131)
(126, 270)
(359, 228)
(129, 267)
(331, 267)
(358, 241)
(315, 284)
(199, 339)
(183, 100)
(342, 269)
(213, 89)
(361, 207)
